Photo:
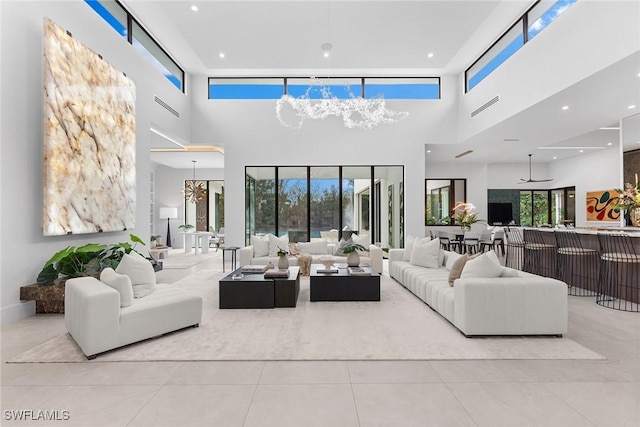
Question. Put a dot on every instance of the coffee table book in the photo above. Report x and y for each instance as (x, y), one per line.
(276, 273)
(254, 269)
(359, 271)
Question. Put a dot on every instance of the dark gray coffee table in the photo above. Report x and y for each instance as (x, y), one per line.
(254, 291)
(341, 286)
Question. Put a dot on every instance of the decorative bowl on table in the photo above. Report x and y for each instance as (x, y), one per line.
(327, 262)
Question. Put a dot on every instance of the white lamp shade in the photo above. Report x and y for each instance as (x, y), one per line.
(171, 213)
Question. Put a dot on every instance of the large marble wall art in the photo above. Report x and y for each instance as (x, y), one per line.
(89, 140)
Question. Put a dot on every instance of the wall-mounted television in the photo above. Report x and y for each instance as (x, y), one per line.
(500, 213)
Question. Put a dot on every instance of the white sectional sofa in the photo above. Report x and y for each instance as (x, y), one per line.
(522, 304)
(247, 256)
(97, 322)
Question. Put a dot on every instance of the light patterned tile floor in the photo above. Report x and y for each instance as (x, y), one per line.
(510, 393)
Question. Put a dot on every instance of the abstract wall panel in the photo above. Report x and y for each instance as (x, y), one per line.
(89, 140)
(600, 206)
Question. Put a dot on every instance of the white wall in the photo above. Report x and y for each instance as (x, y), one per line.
(595, 171)
(169, 183)
(476, 176)
(21, 29)
(586, 38)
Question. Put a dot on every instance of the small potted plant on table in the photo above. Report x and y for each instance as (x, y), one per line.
(351, 250)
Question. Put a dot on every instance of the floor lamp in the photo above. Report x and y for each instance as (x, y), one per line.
(169, 214)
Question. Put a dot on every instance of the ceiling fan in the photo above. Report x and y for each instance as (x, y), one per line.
(524, 181)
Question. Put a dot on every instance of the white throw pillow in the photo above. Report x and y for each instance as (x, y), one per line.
(314, 248)
(364, 240)
(452, 257)
(341, 244)
(260, 246)
(485, 266)
(426, 253)
(141, 273)
(509, 272)
(120, 283)
(408, 248)
(277, 243)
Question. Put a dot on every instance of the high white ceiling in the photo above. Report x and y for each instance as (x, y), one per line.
(386, 37)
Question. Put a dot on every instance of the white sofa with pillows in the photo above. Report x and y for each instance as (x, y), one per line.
(264, 249)
(125, 306)
(478, 295)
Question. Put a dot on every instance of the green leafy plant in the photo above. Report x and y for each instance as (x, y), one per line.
(155, 238)
(464, 215)
(282, 252)
(186, 227)
(354, 247)
(87, 260)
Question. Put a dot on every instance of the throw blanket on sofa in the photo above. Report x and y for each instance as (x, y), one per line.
(304, 259)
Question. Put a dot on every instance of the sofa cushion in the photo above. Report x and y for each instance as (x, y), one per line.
(509, 272)
(314, 248)
(408, 248)
(140, 271)
(456, 268)
(426, 253)
(486, 266)
(278, 243)
(260, 245)
(452, 257)
(120, 283)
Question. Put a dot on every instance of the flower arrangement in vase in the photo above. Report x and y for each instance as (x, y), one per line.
(283, 261)
(464, 215)
(629, 200)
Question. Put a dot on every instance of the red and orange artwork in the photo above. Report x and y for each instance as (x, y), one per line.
(601, 206)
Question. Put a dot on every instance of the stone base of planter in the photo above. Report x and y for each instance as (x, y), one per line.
(49, 299)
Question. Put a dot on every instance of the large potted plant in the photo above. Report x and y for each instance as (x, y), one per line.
(351, 250)
(70, 262)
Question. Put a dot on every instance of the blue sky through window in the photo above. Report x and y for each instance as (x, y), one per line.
(107, 16)
(402, 91)
(548, 17)
(496, 61)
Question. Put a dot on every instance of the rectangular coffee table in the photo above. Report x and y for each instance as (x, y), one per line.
(341, 286)
(254, 291)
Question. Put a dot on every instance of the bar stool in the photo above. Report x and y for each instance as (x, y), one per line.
(515, 248)
(577, 266)
(539, 255)
(619, 286)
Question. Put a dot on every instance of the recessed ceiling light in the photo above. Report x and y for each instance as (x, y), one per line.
(221, 54)
(565, 107)
(582, 151)
(609, 143)
(428, 151)
(631, 107)
(326, 54)
(194, 8)
(430, 55)
(554, 157)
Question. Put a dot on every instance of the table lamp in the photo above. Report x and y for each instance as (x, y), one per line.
(168, 213)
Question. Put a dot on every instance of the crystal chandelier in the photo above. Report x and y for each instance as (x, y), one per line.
(194, 191)
(356, 112)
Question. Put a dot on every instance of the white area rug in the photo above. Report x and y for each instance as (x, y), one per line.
(177, 259)
(400, 327)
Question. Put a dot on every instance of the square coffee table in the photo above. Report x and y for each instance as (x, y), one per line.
(342, 286)
(254, 291)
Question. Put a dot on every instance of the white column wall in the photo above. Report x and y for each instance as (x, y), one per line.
(21, 29)
(586, 38)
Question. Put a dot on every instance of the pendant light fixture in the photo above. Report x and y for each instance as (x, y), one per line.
(194, 191)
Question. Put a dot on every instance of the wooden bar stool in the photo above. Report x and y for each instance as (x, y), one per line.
(577, 266)
(619, 286)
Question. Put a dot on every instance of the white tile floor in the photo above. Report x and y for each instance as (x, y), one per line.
(491, 393)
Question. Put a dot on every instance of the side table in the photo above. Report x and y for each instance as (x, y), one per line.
(233, 250)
